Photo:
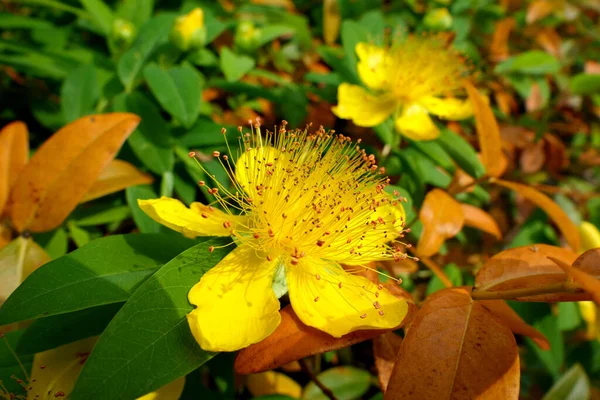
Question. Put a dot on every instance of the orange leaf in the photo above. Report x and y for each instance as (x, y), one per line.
(14, 152)
(5, 235)
(477, 218)
(589, 282)
(291, 341)
(64, 169)
(456, 349)
(567, 227)
(442, 219)
(385, 351)
(488, 133)
(535, 98)
(540, 9)
(499, 48)
(511, 319)
(118, 175)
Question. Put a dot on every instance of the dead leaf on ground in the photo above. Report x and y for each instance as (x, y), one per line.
(539, 9)
(477, 218)
(118, 175)
(293, 340)
(509, 317)
(385, 351)
(442, 219)
(14, 152)
(65, 167)
(562, 220)
(550, 41)
(499, 50)
(472, 356)
(488, 133)
(533, 158)
(534, 101)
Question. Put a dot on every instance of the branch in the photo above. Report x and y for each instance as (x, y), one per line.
(562, 287)
(326, 391)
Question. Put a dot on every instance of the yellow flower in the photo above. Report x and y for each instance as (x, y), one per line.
(305, 203)
(189, 31)
(408, 80)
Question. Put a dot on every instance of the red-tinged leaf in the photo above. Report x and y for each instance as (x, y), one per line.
(442, 219)
(509, 317)
(562, 220)
(118, 175)
(488, 132)
(477, 218)
(291, 341)
(456, 349)
(523, 267)
(590, 283)
(64, 169)
(385, 351)
(14, 152)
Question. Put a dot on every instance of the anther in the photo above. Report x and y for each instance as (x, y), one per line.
(211, 249)
(320, 243)
(380, 286)
(216, 153)
(225, 157)
(226, 224)
(340, 285)
(381, 312)
(318, 277)
(223, 131)
(295, 262)
(204, 215)
(376, 305)
(316, 299)
(201, 183)
(269, 258)
(256, 236)
(192, 154)
(363, 316)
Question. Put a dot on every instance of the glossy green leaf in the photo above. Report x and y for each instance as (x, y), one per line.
(178, 90)
(136, 11)
(569, 316)
(235, 66)
(346, 383)
(144, 223)
(101, 13)
(534, 62)
(584, 84)
(352, 33)
(461, 152)
(55, 243)
(573, 385)
(149, 344)
(552, 359)
(10, 370)
(105, 271)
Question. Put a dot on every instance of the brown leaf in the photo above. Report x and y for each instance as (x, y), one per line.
(488, 133)
(591, 67)
(533, 157)
(442, 219)
(550, 41)
(291, 341)
(64, 169)
(461, 180)
(556, 154)
(499, 50)
(535, 99)
(118, 175)
(562, 220)
(589, 281)
(456, 349)
(385, 351)
(523, 267)
(5, 235)
(477, 218)
(539, 9)
(14, 152)
(509, 317)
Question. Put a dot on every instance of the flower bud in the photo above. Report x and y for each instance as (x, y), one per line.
(189, 32)
(247, 36)
(123, 31)
(438, 19)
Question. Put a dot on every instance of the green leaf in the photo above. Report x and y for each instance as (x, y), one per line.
(573, 385)
(79, 93)
(55, 243)
(101, 13)
(80, 236)
(112, 214)
(9, 365)
(585, 84)
(105, 271)
(151, 140)
(142, 192)
(462, 152)
(552, 359)
(534, 62)
(346, 383)
(51, 332)
(15, 21)
(136, 11)
(149, 344)
(152, 34)
(434, 151)
(569, 316)
(352, 33)
(271, 32)
(235, 66)
(178, 90)
(453, 272)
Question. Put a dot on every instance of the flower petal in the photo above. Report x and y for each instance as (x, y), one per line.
(254, 164)
(415, 124)
(328, 298)
(171, 391)
(198, 220)
(363, 108)
(449, 108)
(375, 66)
(235, 305)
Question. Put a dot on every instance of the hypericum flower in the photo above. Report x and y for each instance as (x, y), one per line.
(305, 202)
(408, 80)
(189, 31)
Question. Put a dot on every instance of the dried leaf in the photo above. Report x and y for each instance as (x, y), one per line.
(477, 218)
(523, 267)
(567, 227)
(556, 154)
(473, 356)
(535, 100)
(385, 351)
(291, 341)
(540, 9)
(118, 175)
(590, 283)
(488, 133)
(499, 50)
(65, 167)
(14, 152)
(509, 317)
(331, 21)
(272, 383)
(532, 158)
(442, 219)
(550, 41)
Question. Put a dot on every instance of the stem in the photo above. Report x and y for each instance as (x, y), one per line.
(326, 391)
(434, 268)
(561, 287)
(58, 6)
(461, 189)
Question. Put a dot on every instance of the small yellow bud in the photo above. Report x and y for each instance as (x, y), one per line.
(189, 32)
(123, 31)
